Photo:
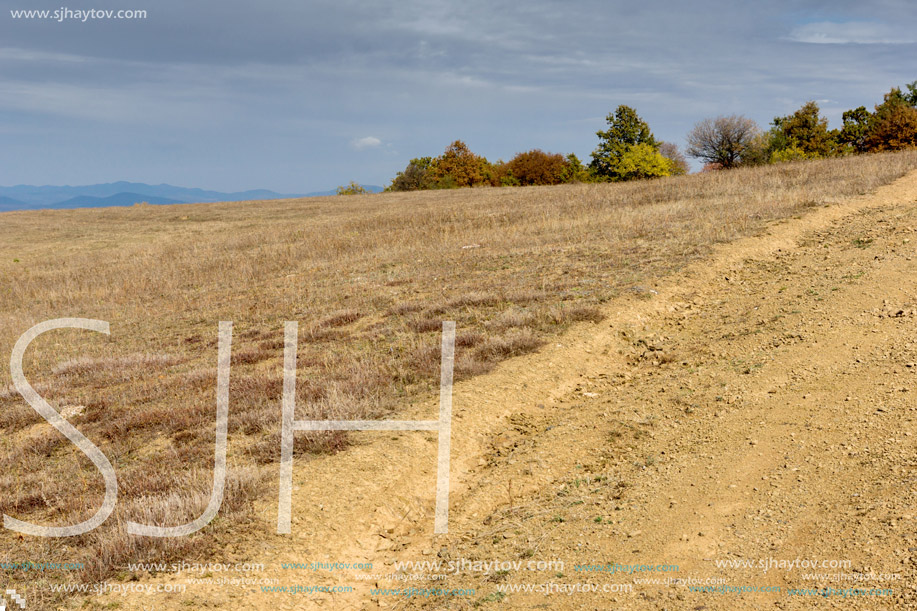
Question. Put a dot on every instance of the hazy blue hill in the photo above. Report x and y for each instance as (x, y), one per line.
(31, 197)
(118, 199)
(8, 203)
(52, 196)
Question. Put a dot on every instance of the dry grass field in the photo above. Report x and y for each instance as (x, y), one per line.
(369, 278)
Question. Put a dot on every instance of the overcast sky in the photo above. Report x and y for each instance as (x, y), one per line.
(301, 95)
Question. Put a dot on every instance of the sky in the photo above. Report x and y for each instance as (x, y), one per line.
(303, 95)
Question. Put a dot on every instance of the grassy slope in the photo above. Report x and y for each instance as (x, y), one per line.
(369, 278)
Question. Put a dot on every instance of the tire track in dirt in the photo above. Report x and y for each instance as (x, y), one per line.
(763, 414)
(759, 406)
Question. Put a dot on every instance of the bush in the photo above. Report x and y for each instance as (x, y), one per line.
(353, 188)
(414, 177)
(790, 153)
(575, 171)
(459, 167)
(536, 167)
(643, 161)
(502, 176)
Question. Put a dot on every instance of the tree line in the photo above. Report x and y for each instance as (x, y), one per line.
(627, 149)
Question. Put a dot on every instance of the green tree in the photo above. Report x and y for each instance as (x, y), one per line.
(855, 128)
(575, 171)
(759, 149)
(807, 131)
(911, 96)
(625, 129)
(414, 177)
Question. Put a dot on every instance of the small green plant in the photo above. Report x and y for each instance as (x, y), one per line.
(353, 188)
(493, 597)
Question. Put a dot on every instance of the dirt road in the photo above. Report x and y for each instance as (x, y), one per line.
(747, 425)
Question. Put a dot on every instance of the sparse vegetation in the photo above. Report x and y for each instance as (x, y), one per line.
(353, 188)
(369, 279)
(628, 150)
(727, 142)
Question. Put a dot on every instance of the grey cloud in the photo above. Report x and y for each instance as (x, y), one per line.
(274, 94)
(856, 32)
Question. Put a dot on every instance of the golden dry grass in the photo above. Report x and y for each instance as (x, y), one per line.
(370, 278)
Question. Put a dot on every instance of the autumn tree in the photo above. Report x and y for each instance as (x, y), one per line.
(893, 126)
(625, 129)
(722, 141)
(536, 167)
(458, 167)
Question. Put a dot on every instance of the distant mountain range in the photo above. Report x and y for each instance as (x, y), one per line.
(27, 197)
(118, 199)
